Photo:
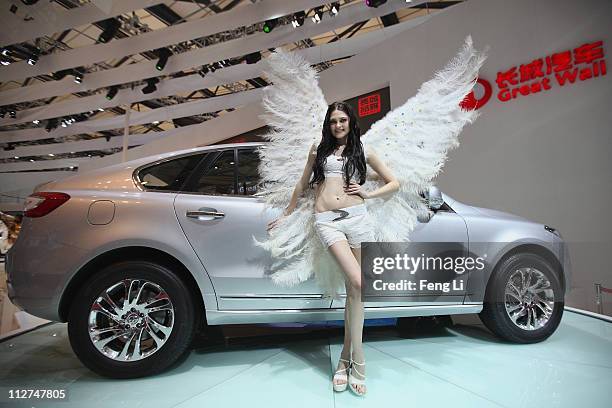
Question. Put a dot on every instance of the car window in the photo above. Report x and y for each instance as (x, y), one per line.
(169, 175)
(248, 175)
(220, 177)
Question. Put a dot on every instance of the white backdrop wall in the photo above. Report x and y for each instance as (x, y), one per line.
(544, 156)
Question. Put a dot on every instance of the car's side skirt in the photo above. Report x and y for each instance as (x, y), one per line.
(215, 317)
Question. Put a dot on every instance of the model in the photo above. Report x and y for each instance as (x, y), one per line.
(315, 169)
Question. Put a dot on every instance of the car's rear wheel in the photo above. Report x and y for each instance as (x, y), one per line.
(132, 319)
(524, 299)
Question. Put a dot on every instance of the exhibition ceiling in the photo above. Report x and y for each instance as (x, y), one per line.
(71, 68)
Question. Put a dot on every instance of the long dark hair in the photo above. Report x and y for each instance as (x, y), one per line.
(353, 152)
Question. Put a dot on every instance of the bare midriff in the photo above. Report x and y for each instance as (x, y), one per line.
(330, 195)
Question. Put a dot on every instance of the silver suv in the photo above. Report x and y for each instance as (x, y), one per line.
(139, 256)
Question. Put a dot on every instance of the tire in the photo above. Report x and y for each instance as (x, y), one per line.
(534, 321)
(165, 334)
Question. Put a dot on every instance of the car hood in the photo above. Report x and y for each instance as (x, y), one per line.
(499, 214)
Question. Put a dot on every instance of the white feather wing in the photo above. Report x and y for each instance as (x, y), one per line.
(414, 139)
(295, 111)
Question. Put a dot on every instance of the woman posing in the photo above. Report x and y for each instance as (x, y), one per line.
(338, 170)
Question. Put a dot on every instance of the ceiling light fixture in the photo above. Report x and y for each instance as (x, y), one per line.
(163, 54)
(78, 76)
(318, 14)
(110, 27)
(269, 25)
(253, 57)
(150, 88)
(112, 91)
(334, 8)
(51, 124)
(375, 3)
(32, 59)
(298, 19)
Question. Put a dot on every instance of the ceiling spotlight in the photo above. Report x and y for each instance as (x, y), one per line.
(150, 88)
(318, 14)
(203, 71)
(163, 54)
(51, 124)
(253, 57)
(269, 25)
(375, 3)
(298, 19)
(335, 8)
(78, 76)
(109, 29)
(32, 59)
(36, 121)
(112, 91)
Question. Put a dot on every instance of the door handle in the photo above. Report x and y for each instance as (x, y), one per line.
(212, 212)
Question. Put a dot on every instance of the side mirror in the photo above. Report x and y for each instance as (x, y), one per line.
(434, 198)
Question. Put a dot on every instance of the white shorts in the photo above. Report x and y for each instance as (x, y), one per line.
(351, 224)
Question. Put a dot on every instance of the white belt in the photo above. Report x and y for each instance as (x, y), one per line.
(341, 213)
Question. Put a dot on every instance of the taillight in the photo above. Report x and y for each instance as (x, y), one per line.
(40, 204)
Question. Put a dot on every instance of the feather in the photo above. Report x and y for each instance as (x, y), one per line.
(413, 140)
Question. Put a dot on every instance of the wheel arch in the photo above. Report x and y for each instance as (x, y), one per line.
(540, 250)
(130, 253)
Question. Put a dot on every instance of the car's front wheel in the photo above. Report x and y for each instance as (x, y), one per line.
(524, 299)
(132, 319)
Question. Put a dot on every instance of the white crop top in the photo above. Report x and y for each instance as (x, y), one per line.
(333, 167)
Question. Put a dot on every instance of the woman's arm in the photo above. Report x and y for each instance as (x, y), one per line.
(391, 184)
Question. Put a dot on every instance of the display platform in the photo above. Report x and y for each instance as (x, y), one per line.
(458, 365)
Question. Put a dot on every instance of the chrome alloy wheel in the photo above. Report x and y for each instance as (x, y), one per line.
(131, 320)
(529, 298)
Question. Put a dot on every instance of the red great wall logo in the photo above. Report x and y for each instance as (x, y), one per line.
(542, 74)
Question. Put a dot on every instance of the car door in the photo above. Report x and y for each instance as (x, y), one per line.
(220, 217)
(445, 226)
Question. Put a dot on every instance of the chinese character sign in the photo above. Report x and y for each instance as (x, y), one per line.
(559, 69)
(369, 105)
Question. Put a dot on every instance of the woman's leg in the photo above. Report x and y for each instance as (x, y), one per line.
(358, 354)
(352, 270)
(346, 347)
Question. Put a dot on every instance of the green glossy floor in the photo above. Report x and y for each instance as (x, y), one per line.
(460, 365)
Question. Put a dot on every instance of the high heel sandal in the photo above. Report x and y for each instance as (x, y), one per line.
(352, 380)
(339, 376)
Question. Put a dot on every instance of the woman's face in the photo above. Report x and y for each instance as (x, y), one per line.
(339, 124)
